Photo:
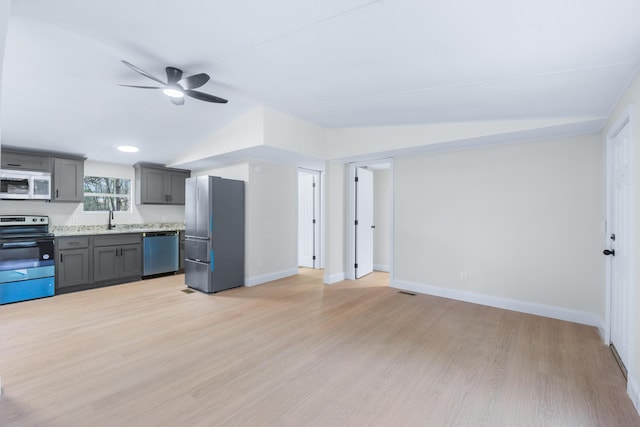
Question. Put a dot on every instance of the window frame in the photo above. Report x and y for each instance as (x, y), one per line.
(109, 196)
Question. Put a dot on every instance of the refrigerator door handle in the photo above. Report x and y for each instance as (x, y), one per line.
(197, 261)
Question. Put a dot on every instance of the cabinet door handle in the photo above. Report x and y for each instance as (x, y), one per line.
(14, 165)
(61, 258)
(56, 193)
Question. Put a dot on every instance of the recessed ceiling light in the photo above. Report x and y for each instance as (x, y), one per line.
(173, 93)
(128, 148)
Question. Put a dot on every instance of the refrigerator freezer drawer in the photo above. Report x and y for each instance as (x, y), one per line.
(198, 250)
(196, 275)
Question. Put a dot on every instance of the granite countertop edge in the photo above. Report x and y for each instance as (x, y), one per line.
(70, 231)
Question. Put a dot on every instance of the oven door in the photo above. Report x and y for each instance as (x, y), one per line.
(27, 269)
(26, 258)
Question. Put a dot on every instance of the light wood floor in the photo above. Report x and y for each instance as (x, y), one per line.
(298, 353)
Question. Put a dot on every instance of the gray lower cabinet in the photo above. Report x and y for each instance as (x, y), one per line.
(73, 262)
(117, 257)
(93, 261)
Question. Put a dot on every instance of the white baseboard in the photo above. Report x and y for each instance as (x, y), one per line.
(258, 280)
(334, 278)
(381, 267)
(561, 313)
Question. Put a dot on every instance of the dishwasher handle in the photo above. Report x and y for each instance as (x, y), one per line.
(159, 233)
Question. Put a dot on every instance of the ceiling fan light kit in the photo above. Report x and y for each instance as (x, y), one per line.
(176, 87)
(173, 93)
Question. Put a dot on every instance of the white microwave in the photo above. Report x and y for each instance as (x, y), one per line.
(25, 185)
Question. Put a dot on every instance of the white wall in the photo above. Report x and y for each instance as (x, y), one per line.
(239, 171)
(631, 97)
(524, 221)
(373, 142)
(334, 221)
(289, 133)
(246, 132)
(271, 222)
(381, 218)
(73, 213)
(5, 10)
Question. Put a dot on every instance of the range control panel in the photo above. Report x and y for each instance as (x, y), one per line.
(8, 220)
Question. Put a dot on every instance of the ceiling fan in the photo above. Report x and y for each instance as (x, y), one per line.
(176, 86)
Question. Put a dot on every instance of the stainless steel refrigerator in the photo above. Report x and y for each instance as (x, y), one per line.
(214, 233)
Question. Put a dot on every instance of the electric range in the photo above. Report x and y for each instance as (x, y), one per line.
(27, 260)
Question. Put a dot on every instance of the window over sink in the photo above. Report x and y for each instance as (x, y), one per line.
(107, 194)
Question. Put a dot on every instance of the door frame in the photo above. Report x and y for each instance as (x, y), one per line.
(350, 273)
(319, 237)
(626, 116)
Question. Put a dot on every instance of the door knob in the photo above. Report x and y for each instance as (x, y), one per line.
(609, 252)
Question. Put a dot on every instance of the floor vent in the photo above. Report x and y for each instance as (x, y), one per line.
(188, 291)
(407, 293)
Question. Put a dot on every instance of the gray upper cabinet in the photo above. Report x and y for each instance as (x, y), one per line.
(176, 182)
(157, 185)
(67, 171)
(25, 161)
(68, 180)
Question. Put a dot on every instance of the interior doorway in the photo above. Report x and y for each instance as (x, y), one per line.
(370, 222)
(309, 218)
(618, 238)
(364, 225)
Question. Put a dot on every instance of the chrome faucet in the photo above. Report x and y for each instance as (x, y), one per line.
(111, 225)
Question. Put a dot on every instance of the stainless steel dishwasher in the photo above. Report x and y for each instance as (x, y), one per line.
(160, 252)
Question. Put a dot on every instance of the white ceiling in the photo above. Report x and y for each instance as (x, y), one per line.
(336, 63)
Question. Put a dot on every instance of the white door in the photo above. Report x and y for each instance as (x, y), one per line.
(308, 219)
(364, 222)
(618, 230)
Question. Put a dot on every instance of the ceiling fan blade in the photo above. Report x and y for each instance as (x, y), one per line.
(143, 72)
(142, 87)
(173, 75)
(177, 101)
(194, 81)
(204, 96)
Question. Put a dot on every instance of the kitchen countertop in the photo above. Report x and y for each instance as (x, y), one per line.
(87, 230)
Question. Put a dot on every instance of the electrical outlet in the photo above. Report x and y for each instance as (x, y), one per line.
(463, 276)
